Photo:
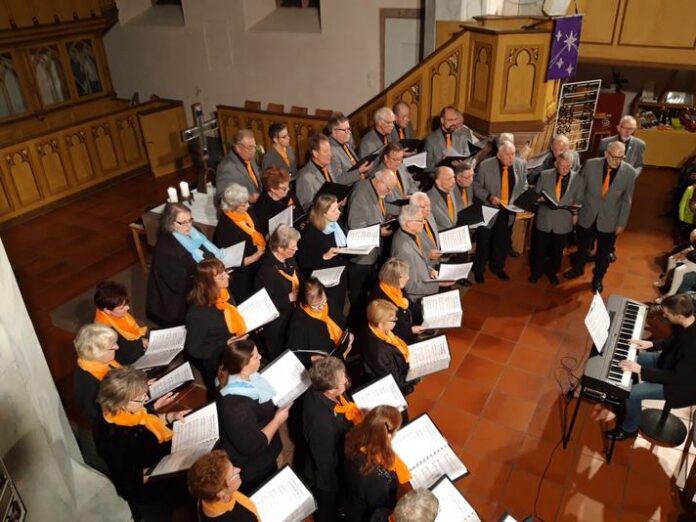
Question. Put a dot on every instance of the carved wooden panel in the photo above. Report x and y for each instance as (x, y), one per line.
(78, 154)
(5, 205)
(22, 174)
(104, 146)
(129, 137)
(667, 23)
(256, 126)
(230, 124)
(519, 79)
(49, 155)
(444, 83)
(480, 75)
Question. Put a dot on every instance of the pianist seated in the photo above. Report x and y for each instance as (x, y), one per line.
(666, 367)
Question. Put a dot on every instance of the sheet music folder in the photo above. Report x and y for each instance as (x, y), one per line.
(283, 498)
(527, 200)
(371, 157)
(335, 189)
(472, 215)
(454, 507)
(411, 143)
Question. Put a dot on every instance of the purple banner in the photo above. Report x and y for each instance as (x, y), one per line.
(565, 43)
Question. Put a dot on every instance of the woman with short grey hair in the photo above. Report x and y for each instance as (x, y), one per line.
(418, 505)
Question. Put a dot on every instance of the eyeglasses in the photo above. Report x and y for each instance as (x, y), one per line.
(222, 275)
(615, 157)
(283, 188)
(283, 137)
(318, 306)
(346, 130)
(141, 399)
(184, 222)
(248, 147)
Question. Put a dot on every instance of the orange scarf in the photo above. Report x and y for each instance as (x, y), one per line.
(395, 295)
(349, 410)
(283, 154)
(216, 508)
(126, 326)
(294, 280)
(233, 319)
(243, 220)
(392, 339)
(97, 369)
(335, 331)
(141, 418)
(403, 475)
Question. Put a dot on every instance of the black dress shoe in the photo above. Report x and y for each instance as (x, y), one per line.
(612, 257)
(502, 275)
(533, 279)
(479, 278)
(597, 286)
(553, 279)
(619, 434)
(572, 274)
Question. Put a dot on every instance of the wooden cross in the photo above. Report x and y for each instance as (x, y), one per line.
(198, 132)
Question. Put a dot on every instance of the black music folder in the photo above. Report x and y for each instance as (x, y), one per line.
(336, 189)
(371, 157)
(472, 215)
(527, 200)
(411, 143)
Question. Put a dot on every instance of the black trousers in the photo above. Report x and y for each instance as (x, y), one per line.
(493, 245)
(361, 279)
(551, 245)
(605, 244)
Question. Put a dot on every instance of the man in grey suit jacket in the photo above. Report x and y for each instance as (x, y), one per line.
(239, 166)
(560, 143)
(379, 135)
(402, 122)
(445, 200)
(606, 206)
(316, 172)
(393, 159)
(494, 241)
(343, 156)
(552, 226)
(366, 207)
(429, 237)
(635, 147)
(452, 136)
(464, 176)
(408, 246)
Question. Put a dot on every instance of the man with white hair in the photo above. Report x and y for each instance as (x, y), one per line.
(560, 143)
(635, 147)
(429, 237)
(452, 137)
(403, 130)
(444, 198)
(498, 182)
(380, 134)
(239, 166)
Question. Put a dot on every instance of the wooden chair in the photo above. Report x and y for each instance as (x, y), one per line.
(300, 111)
(323, 113)
(254, 105)
(275, 107)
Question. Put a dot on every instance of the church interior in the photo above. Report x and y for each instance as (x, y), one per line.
(107, 104)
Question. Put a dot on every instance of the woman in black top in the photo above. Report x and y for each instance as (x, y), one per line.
(393, 277)
(276, 198)
(211, 320)
(238, 224)
(318, 247)
(281, 278)
(215, 482)
(315, 324)
(249, 420)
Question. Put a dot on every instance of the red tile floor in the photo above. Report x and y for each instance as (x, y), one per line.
(498, 404)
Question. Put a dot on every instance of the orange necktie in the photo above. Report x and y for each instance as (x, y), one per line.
(448, 139)
(384, 139)
(325, 172)
(252, 175)
(418, 243)
(559, 186)
(505, 187)
(450, 207)
(381, 205)
(605, 184)
(349, 153)
(284, 155)
(465, 198)
(401, 185)
(401, 134)
(429, 231)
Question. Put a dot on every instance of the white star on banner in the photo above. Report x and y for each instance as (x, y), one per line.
(559, 35)
(570, 41)
(560, 63)
(569, 69)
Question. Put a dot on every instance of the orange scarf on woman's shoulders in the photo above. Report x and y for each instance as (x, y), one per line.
(335, 331)
(141, 418)
(127, 326)
(399, 467)
(234, 320)
(243, 220)
(396, 295)
(216, 508)
(390, 338)
(349, 410)
(97, 369)
(294, 280)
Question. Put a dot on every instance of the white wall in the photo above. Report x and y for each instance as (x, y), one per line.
(36, 442)
(218, 58)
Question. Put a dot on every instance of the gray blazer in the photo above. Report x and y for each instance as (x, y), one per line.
(428, 245)
(634, 151)
(408, 132)
(404, 247)
(438, 207)
(273, 159)
(340, 163)
(436, 145)
(613, 210)
(370, 142)
(309, 181)
(558, 221)
(470, 195)
(363, 211)
(549, 163)
(487, 182)
(230, 170)
(409, 187)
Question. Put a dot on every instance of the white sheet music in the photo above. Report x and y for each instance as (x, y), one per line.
(182, 460)
(329, 276)
(453, 506)
(233, 256)
(442, 310)
(453, 272)
(426, 357)
(455, 240)
(288, 377)
(551, 200)
(163, 347)
(488, 214)
(361, 241)
(284, 217)
(383, 391)
(417, 160)
(426, 453)
(173, 379)
(284, 498)
(513, 208)
(597, 322)
(258, 310)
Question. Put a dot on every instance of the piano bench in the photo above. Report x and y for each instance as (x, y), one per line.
(661, 427)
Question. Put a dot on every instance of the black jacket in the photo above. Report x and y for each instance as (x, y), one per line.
(306, 333)
(405, 318)
(367, 493)
(86, 389)
(266, 207)
(206, 338)
(381, 359)
(169, 281)
(128, 351)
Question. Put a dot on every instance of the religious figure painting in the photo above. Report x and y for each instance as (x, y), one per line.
(11, 100)
(84, 68)
(49, 75)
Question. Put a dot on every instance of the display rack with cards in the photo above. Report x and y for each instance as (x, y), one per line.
(283, 498)
(453, 506)
(429, 356)
(383, 391)
(288, 376)
(164, 345)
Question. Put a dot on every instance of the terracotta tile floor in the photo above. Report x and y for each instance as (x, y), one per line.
(498, 404)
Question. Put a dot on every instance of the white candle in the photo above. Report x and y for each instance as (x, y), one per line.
(171, 191)
(184, 188)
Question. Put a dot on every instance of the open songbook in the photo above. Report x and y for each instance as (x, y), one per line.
(283, 498)
(164, 346)
(453, 506)
(442, 310)
(258, 310)
(383, 391)
(525, 202)
(429, 356)
(553, 204)
(426, 453)
(329, 277)
(283, 217)
(288, 377)
(233, 256)
(455, 240)
(361, 241)
(171, 381)
(452, 272)
(194, 436)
